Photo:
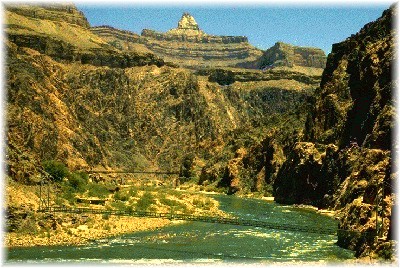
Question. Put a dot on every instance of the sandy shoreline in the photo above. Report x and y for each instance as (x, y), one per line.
(68, 229)
(84, 232)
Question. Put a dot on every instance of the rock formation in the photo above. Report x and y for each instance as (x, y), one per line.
(344, 159)
(187, 26)
(103, 98)
(76, 96)
(55, 12)
(62, 32)
(282, 54)
(189, 46)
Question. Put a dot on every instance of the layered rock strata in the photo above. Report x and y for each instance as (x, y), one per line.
(189, 46)
(55, 12)
(62, 32)
(282, 54)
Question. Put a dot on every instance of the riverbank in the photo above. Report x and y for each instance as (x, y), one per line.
(79, 230)
(196, 242)
(27, 227)
(330, 213)
(326, 212)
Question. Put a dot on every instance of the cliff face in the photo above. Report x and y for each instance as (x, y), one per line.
(344, 159)
(54, 12)
(120, 39)
(186, 46)
(355, 103)
(196, 37)
(66, 38)
(189, 46)
(282, 54)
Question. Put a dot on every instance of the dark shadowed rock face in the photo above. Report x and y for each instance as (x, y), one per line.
(355, 102)
(292, 186)
(350, 121)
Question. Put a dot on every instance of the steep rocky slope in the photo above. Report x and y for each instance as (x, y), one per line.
(59, 12)
(66, 38)
(76, 97)
(344, 158)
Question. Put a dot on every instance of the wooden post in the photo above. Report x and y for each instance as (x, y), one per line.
(40, 194)
(376, 212)
(48, 193)
(383, 211)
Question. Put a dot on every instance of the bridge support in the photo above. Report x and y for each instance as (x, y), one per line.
(44, 193)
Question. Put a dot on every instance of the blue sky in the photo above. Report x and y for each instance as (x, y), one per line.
(315, 26)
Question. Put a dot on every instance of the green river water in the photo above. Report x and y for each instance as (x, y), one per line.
(200, 242)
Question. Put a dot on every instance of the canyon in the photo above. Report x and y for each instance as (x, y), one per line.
(288, 121)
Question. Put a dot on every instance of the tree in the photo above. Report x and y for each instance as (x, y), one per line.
(57, 170)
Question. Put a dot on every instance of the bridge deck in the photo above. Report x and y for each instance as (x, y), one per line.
(188, 217)
(132, 172)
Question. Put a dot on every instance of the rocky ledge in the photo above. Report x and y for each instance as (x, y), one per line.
(105, 30)
(201, 38)
(189, 31)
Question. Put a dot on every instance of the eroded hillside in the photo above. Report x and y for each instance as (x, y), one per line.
(91, 105)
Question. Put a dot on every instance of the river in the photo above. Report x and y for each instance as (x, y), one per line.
(200, 242)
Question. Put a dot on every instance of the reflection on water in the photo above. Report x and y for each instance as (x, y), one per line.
(201, 242)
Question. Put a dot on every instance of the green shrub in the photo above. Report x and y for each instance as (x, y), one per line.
(83, 175)
(56, 169)
(169, 202)
(133, 192)
(145, 201)
(119, 205)
(68, 194)
(97, 190)
(122, 196)
(203, 204)
(28, 226)
(268, 190)
(130, 209)
(77, 181)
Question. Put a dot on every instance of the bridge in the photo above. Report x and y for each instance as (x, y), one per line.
(132, 172)
(189, 217)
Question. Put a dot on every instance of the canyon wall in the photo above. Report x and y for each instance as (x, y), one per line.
(344, 159)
